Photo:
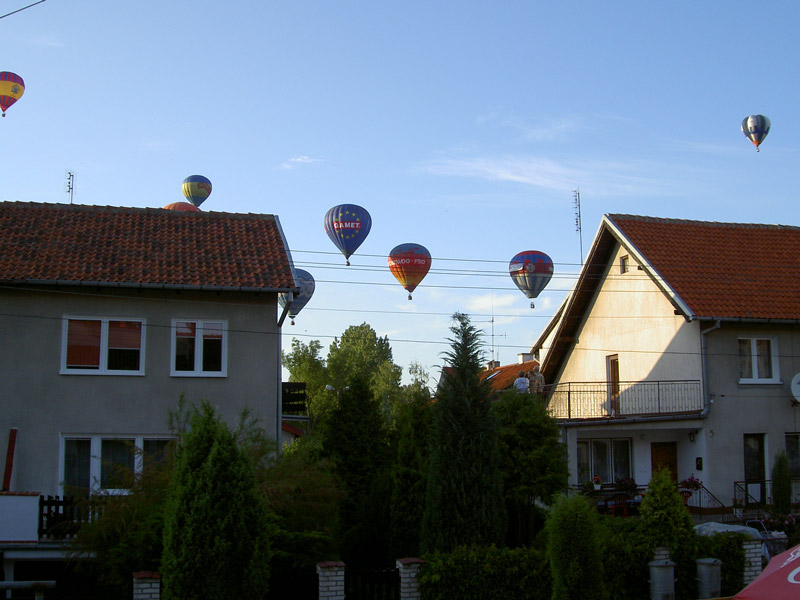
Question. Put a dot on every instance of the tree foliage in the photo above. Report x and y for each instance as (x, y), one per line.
(464, 500)
(216, 542)
(533, 460)
(576, 561)
(781, 485)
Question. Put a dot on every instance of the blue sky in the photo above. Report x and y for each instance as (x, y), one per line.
(462, 126)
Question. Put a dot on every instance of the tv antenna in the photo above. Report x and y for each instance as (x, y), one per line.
(576, 204)
(69, 176)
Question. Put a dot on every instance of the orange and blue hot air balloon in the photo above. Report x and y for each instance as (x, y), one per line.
(755, 128)
(196, 189)
(11, 89)
(531, 271)
(409, 263)
(307, 285)
(347, 225)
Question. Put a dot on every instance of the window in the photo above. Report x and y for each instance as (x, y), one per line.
(624, 264)
(199, 348)
(608, 458)
(104, 346)
(108, 463)
(758, 360)
(793, 453)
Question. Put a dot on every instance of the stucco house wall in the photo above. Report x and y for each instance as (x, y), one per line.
(45, 405)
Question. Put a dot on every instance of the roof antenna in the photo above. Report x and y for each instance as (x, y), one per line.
(576, 203)
(70, 180)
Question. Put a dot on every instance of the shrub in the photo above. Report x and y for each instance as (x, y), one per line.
(575, 555)
(486, 573)
(781, 485)
(728, 548)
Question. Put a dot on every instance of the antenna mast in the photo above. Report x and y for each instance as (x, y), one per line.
(70, 187)
(576, 203)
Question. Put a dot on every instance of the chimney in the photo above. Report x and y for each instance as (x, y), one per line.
(525, 357)
(493, 364)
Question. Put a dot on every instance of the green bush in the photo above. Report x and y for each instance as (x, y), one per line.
(575, 554)
(626, 554)
(486, 573)
(728, 548)
(781, 485)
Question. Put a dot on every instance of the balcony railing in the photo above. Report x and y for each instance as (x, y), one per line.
(604, 400)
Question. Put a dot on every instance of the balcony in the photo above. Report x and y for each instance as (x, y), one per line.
(624, 399)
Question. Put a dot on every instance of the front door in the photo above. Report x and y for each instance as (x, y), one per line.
(612, 368)
(754, 467)
(664, 455)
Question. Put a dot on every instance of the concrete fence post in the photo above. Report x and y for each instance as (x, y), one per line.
(331, 580)
(146, 585)
(409, 570)
(752, 560)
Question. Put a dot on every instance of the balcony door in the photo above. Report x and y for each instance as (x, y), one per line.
(612, 376)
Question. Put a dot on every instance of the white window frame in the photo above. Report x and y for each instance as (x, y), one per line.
(198, 351)
(103, 367)
(95, 458)
(773, 347)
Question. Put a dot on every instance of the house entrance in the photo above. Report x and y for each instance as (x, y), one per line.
(664, 455)
(754, 467)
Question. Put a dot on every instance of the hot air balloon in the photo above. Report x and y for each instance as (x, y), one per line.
(183, 206)
(755, 128)
(306, 284)
(11, 89)
(409, 263)
(531, 271)
(347, 225)
(196, 189)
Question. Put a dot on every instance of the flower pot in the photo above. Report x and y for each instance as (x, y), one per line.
(597, 486)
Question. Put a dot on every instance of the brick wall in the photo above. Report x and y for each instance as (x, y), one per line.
(146, 585)
(331, 580)
(752, 560)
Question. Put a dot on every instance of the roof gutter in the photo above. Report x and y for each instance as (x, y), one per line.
(149, 286)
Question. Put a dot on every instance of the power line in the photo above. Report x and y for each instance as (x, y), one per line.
(21, 9)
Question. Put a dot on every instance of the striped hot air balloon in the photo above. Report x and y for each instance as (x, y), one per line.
(11, 89)
(531, 270)
(755, 128)
(196, 189)
(409, 263)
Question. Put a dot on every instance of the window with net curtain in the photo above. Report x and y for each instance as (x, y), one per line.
(756, 361)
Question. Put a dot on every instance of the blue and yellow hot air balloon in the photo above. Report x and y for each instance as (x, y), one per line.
(307, 285)
(755, 128)
(409, 263)
(11, 89)
(347, 225)
(531, 270)
(196, 189)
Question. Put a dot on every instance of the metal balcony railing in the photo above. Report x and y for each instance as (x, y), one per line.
(596, 400)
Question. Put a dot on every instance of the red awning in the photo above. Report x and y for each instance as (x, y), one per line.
(779, 581)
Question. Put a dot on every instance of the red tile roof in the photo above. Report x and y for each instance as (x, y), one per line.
(722, 270)
(502, 378)
(149, 247)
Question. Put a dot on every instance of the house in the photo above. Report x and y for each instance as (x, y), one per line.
(678, 349)
(109, 315)
(502, 377)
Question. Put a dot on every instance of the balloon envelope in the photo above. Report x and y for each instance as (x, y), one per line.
(196, 189)
(755, 128)
(184, 206)
(307, 285)
(347, 225)
(11, 89)
(531, 271)
(409, 263)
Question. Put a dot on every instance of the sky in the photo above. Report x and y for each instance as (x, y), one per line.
(462, 126)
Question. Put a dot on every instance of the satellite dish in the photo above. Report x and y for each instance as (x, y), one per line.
(796, 389)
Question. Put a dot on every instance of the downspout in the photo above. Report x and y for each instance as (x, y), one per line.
(703, 350)
(12, 444)
(279, 376)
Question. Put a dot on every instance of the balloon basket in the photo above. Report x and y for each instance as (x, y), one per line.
(532, 306)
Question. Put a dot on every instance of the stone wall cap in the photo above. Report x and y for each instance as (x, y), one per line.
(410, 561)
(330, 563)
(147, 575)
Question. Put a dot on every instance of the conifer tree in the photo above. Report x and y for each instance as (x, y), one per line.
(464, 499)
(216, 544)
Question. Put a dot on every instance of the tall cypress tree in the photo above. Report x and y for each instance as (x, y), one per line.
(216, 543)
(464, 500)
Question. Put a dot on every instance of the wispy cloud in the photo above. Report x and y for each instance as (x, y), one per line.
(604, 178)
(297, 161)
